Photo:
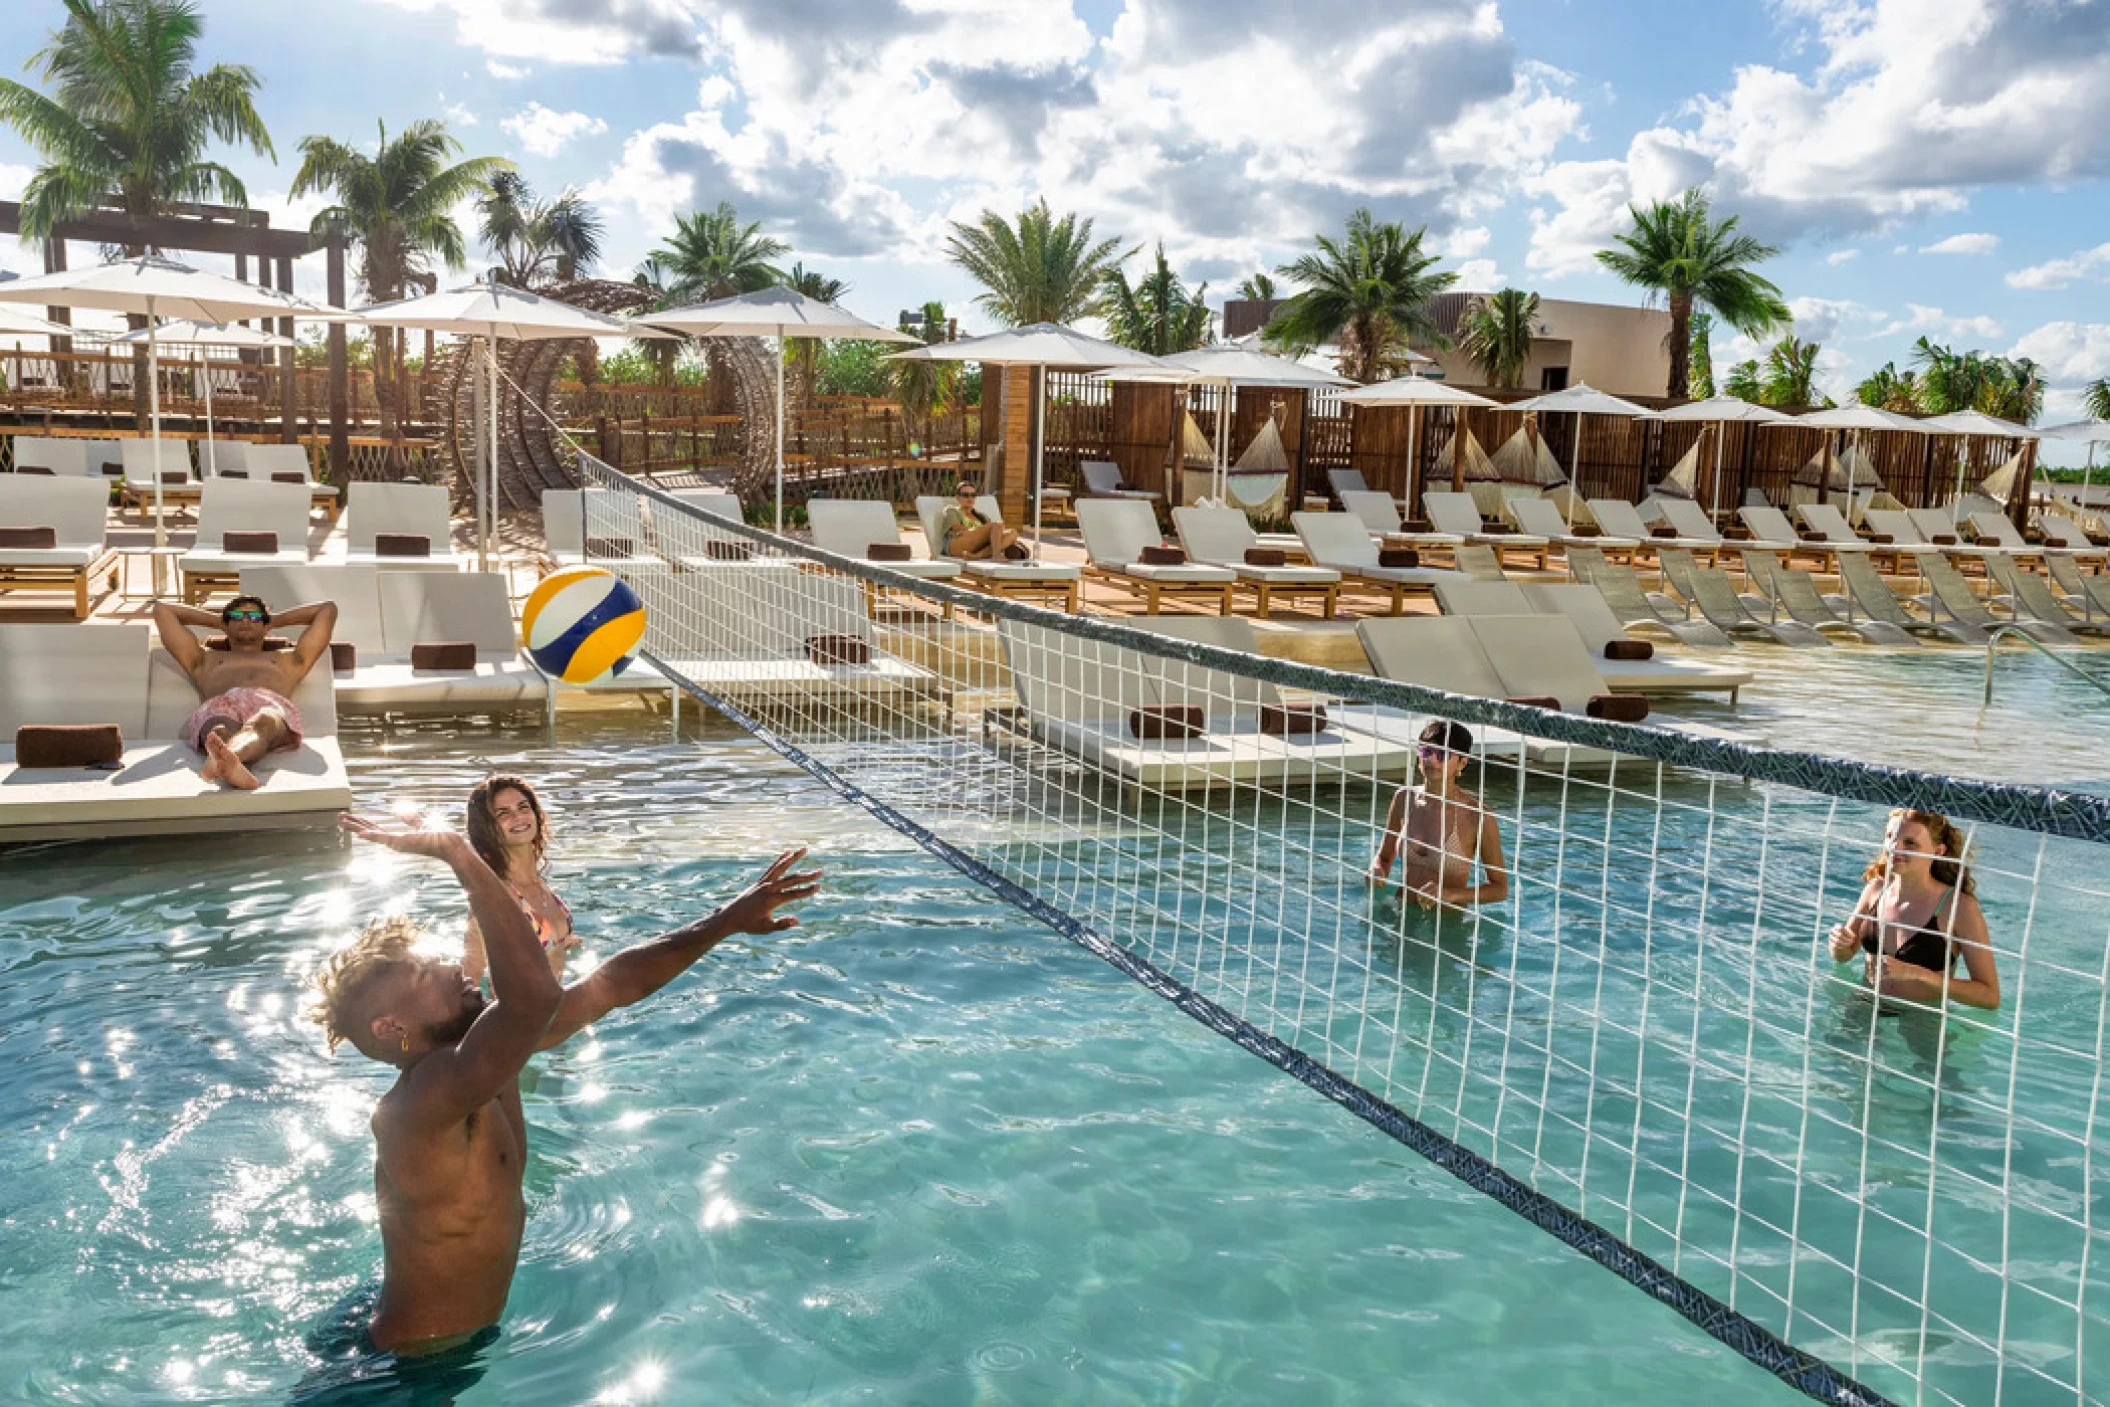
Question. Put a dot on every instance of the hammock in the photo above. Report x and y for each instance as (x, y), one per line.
(1195, 448)
(1479, 469)
(1683, 481)
(2000, 484)
(1516, 462)
(1266, 452)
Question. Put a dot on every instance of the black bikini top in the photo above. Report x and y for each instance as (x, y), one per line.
(1926, 946)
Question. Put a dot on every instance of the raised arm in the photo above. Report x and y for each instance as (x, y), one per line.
(637, 972)
(320, 618)
(448, 1085)
(174, 623)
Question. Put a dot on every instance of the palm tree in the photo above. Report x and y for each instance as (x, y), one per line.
(712, 255)
(804, 352)
(1790, 374)
(1678, 250)
(1157, 314)
(2011, 388)
(1743, 382)
(1496, 333)
(396, 205)
(2095, 398)
(1039, 269)
(1700, 383)
(1257, 287)
(132, 119)
(537, 242)
(1890, 389)
(1368, 292)
(923, 388)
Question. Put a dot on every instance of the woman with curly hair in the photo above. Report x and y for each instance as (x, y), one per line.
(509, 831)
(1918, 918)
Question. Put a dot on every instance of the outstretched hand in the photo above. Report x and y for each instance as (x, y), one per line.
(404, 838)
(754, 910)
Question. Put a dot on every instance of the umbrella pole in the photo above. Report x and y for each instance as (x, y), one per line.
(1956, 499)
(491, 459)
(1040, 452)
(1574, 475)
(1721, 432)
(780, 430)
(212, 456)
(1414, 414)
(161, 533)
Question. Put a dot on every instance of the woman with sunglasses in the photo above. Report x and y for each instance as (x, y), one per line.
(966, 533)
(509, 832)
(1918, 918)
(1443, 829)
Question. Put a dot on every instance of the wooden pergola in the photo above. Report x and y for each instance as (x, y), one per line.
(248, 236)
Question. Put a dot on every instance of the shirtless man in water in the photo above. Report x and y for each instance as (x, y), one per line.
(246, 710)
(450, 1140)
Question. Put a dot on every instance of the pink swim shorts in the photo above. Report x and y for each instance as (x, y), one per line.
(238, 706)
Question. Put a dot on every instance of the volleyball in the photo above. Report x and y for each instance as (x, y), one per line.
(582, 624)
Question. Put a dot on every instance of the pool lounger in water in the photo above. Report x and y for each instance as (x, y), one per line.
(741, 629)
(1077, 696)
(1503, 657)
(117, 674)
(1585, 608)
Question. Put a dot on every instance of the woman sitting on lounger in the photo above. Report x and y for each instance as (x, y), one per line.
(1444, 830)
(509, 832)
(1918, 917)
(967, 533)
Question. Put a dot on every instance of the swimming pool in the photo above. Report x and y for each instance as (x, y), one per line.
(921, 1150)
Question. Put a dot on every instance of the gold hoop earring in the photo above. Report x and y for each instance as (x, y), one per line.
(406, 1045)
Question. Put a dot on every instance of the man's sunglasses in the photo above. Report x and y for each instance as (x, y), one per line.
(230, 617)
(1430, 750)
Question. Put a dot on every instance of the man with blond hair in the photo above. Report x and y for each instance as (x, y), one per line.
(449, 1137)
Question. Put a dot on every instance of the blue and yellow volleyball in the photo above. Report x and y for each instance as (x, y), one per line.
(582, 624)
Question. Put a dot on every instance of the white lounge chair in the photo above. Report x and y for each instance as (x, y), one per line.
(413, 510)
(168, 460)
(2061, 531)
(1868, 592)
(1598, 628)
(2028, 596)
(1052, 582)
(1623, 519)
(1641, 609)
(1102, 479)
(1692, 523)
(2090, 593)
(608, 518)
(1380, 514)
(68, 458)
(1995, 530)
(1115, 533)
(279, 464)
(1347, 481)
(716, 502)
(77, 512)
(1709, 591)
(1541, 519)
(746, 635)
(1766, 523)
(1829, 523)
(1458, 513)
(1906, 531)
(1339, 541)
(852, 527)
(111, 673)
(1224, 537)
(217, 457)
(1949, 593)
(238, 506)
(1784, 588)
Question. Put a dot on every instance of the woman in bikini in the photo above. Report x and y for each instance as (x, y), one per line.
(1918, 918)
(509, 832)
(967, 534)
(1444, 830)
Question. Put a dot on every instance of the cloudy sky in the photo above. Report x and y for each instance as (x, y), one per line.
(1928, 166)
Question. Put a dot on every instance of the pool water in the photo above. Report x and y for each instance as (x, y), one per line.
(919, 1150)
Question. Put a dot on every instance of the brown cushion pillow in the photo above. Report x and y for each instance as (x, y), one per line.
(728, 550)
(1943, 539)
(1416, 525)
(288, 476)
(1166, 721)
(1545, 701)
(1585, 530)
(249, 542)
(1811, 535)
(344, 656)
(611, 546)
(68, 744)
(1663, 532)
(1619, 708)
(1881, 538)
(402, 545)
(234, 474)
(1292, 720)
(1162, 554)
(447, 654)
(1265, 557)
(1496, 528)
(29, 537)
(838, 649)
(1398, 557)
(271, 642)
(45, 469)
(174, 476)
(114, 468)
(888, 552)
(1628, 650)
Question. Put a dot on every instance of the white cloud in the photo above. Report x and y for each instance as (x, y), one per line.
(2057, 273)
(2069, 352)
(1963, 244)
(1921, 318)
(1822, 319)
(1479, 276)
(1839, 258)
(458, 114)
(569, 32)
(542, 131)
(505, 70)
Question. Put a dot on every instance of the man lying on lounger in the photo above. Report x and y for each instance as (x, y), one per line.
(247, 710)
(450, 1142)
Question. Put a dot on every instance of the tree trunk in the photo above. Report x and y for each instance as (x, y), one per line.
(1680, 344)
(383, 357)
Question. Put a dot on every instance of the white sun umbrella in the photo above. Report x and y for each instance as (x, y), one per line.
(778, 313)
(1722, 410)
(207, 334)
(1858, 418)
(1042, 344)
(157, 288)
(1580, 399)
(1974, 422)
(1226, 365)
(2094, 432)
(492, 311)
(1414, 390)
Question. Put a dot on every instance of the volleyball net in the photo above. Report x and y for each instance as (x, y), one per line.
(1637, 1038)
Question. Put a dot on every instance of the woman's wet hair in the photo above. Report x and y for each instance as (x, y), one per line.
(1952, 867)
(1448, 735)
(486, 837)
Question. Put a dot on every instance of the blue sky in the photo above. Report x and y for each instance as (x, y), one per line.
(1928, 166)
